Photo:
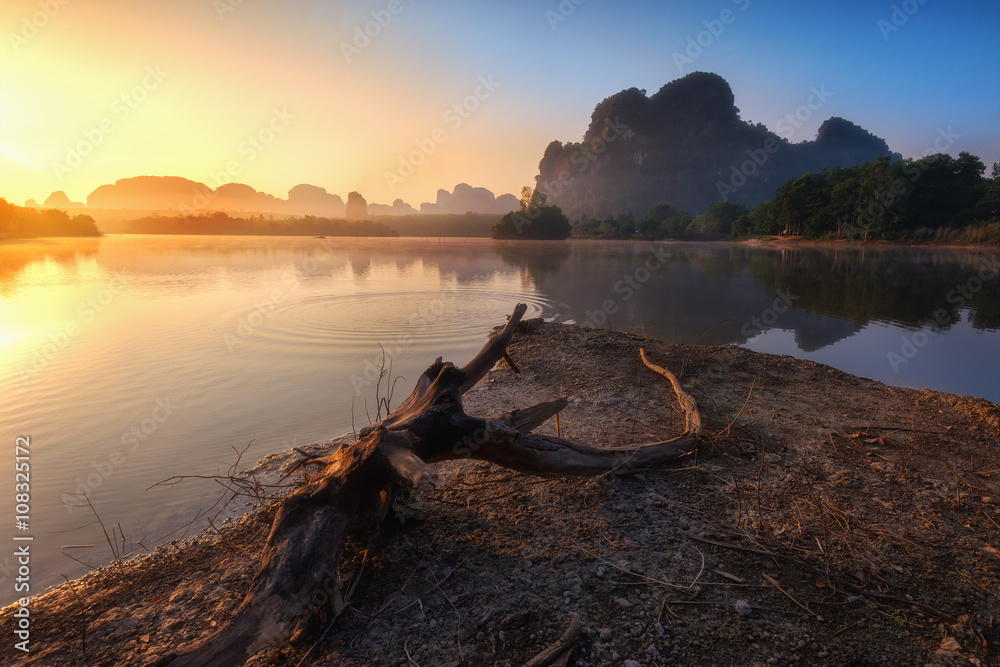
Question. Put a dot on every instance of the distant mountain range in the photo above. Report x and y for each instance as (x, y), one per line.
(173, 193)
(686, 145)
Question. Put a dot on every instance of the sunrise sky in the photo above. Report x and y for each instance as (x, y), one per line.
(149, 87)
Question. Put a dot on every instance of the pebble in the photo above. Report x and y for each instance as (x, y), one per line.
(632, 663)
(605, 634)
(743, 608)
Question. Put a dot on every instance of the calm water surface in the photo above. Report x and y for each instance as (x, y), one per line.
(131, 359)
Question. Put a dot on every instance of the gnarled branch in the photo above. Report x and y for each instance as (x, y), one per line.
(299, 565)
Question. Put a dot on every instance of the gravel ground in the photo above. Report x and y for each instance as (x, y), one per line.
(827, 519)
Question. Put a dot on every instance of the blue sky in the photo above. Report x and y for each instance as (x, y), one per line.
(232, 63)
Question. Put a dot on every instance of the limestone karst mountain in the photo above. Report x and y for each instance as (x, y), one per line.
(687, 145)
(173, 193)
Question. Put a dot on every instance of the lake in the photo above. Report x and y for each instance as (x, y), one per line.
(128, 360)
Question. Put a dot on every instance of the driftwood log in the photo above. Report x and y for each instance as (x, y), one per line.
(299, 565)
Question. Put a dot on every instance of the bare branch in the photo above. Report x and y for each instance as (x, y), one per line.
(492, 352)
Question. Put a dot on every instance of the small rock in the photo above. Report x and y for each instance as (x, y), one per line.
(622, 602)
(632, 663)
(605, 634)
(743, 608)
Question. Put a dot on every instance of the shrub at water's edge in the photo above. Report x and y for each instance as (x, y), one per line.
(534, 220)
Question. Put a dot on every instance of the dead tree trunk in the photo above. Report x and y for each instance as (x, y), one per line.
(299, 564)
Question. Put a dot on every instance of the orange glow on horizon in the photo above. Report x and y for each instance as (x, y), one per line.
(97, 94)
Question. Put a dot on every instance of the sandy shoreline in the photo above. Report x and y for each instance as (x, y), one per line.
(829, 519)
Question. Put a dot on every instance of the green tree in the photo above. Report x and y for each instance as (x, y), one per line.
(664, 221)
(718, 219)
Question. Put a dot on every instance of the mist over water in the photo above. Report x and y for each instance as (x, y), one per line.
(132, 359)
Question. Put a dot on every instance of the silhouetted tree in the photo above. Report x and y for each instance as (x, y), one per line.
(534, 220)
(23, 222)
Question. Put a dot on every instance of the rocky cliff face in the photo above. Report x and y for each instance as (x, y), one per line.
(357, 207)
(686, 145)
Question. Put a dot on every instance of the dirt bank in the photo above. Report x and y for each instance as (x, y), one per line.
(828, 519)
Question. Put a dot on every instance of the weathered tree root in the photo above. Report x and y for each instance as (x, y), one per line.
(299, 565)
